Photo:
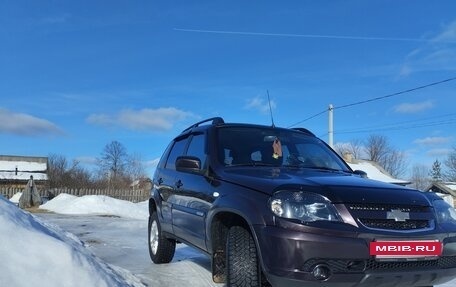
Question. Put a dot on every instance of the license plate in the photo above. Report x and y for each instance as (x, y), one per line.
(405, 249)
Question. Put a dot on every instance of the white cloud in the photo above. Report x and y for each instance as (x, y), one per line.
(439, 152)
(429, 141)
(26, 125)
(437, 54)
(160, 119)
(408, 108)
(448, 35)
(259, 104)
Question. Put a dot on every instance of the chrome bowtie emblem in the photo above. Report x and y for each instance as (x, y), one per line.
(397, 215)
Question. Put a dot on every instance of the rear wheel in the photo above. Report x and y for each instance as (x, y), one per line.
(161, 249)
(242, 259)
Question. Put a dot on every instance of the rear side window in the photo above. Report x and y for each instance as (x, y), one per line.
(196, 148)
(161, 163)
(176, 151)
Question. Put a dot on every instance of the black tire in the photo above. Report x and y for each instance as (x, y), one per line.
(161, 249)
(242, 259)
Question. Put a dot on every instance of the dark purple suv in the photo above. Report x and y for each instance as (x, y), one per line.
(275, 206)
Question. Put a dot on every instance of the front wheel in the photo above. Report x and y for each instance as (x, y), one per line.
(161, 249)
(242, 259)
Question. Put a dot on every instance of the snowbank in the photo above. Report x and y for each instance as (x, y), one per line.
(34, 253)
(96, 204)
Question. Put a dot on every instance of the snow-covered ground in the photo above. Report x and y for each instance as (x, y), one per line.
(109, 231)
(36, 253)
(91, 241)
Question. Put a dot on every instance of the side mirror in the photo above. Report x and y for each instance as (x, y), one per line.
(360, 173)
(188, 164)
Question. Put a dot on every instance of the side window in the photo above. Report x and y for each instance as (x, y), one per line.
(196, 148)
(177, 150)
(161, 163)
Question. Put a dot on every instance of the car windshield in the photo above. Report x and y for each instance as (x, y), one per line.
(260, 146)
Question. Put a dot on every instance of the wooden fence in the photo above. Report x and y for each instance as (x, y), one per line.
(129, 195)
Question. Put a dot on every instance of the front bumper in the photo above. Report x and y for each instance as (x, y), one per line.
(389, 279)
(288, 258)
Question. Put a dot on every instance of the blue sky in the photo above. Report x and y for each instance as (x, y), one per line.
(76, 75)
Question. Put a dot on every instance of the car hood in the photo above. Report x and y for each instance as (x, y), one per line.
(339, 187)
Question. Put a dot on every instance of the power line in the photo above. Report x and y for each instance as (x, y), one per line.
(429, 124)
(392, 127)
(396, 94)
(311, 117)
(376, 99)
(401, 125)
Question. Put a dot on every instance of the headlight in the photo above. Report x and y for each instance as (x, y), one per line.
(304, 206)
(445, 213)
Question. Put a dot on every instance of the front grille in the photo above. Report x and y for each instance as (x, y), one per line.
(357, 266)
(441, 263)
(394, 225)
(375, 216)
(387, 207)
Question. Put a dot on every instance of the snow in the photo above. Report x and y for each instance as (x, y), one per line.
(450, 185)
(373, 172)
(24, 170)
(96, 204)
(33, 252)
(16, 197)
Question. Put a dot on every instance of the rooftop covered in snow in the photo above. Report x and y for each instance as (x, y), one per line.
(22, 167)
(374, 170)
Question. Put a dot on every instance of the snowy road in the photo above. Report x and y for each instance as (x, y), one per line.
(123, 242)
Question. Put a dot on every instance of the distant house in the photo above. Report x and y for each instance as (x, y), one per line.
(373, 170)
(447, 190)
(141, 184)
(15, 171)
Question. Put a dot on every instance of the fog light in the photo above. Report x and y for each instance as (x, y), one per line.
(321, 272)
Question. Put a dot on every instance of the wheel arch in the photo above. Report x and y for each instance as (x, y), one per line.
(219, 227)
(152, 205)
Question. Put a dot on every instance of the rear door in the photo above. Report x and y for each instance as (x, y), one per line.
(165, 180)
(192, 199)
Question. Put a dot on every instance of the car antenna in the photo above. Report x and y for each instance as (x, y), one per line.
(270, 110)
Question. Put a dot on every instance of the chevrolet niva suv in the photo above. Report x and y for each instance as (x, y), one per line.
(276, 206)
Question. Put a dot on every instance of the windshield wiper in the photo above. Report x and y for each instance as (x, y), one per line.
(326, 168)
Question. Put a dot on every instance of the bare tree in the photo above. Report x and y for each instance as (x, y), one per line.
(354, 147)
(57, 166)
(63, 174)
(450, 164)
(379, 150)
(395, 163)
(420, 179)
(113, 162)
(135, 167)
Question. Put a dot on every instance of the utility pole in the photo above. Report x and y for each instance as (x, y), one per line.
(331, 126)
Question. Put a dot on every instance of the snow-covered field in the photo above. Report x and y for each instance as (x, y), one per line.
(91, 241)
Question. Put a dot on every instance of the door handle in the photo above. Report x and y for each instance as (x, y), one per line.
(179, 183)
(160, 181)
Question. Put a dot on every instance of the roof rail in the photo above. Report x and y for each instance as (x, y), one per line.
(215, 121)
(304, 130)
